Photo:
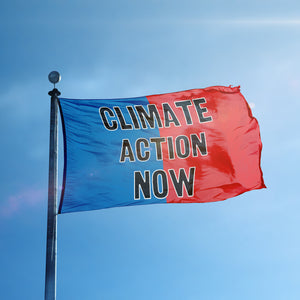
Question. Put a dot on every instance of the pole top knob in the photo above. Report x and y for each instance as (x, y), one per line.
(54, 77)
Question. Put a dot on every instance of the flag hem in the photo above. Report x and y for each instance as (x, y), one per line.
(65, 159)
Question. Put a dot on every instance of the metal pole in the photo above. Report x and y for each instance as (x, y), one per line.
(50, 280)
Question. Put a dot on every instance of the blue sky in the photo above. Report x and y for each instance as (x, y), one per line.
(243, 248)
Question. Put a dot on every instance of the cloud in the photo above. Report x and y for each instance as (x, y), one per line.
(29, 197)
(246, 21)
(259, 22)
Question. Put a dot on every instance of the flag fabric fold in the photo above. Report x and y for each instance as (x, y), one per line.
(199, 145)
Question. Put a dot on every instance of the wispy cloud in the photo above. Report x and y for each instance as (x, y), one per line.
(246, 21)
(258, 22)
(29, 197)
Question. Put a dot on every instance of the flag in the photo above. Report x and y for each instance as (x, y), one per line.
(199, 145)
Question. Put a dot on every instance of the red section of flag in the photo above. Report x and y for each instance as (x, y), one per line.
(221, 122)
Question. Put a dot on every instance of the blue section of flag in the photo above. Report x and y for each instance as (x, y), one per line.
(94, 177)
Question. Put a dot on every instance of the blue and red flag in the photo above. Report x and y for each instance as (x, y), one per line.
(200, 145)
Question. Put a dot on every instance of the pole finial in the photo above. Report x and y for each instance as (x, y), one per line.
(54, 77)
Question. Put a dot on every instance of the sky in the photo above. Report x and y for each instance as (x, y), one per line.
(247, 247)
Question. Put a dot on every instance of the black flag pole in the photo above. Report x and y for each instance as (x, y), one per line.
(50, 279)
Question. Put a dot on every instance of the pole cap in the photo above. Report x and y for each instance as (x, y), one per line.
(54, 77)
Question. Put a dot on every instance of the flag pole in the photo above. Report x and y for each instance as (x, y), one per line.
(50, 279)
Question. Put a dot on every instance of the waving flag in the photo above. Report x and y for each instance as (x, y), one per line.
(200, 145)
